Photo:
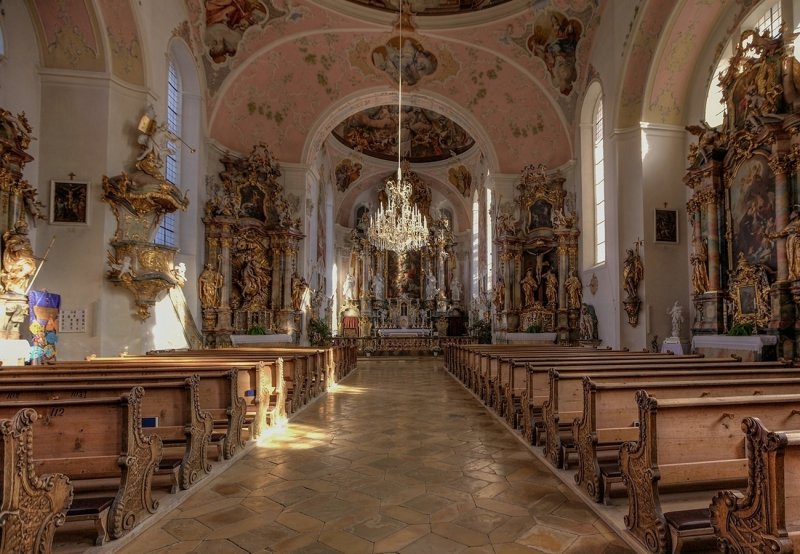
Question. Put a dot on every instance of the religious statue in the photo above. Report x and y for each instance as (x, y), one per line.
(499, 299)
(792, 234)
(210, 282)
(676, 312)
(19, 263)
(378, 286)
(632, 273)
(179, 271)
(254, 284)
(529, 284)
(349, 288)
(299, 287)
(455, 289)
(430, 286)
(588, 323)
(698, 260)
(574, 290)
(551, 288)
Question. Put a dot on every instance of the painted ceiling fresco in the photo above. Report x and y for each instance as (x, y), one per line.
(288, 66)
(432, 7)
(426, 136)
(291, 72)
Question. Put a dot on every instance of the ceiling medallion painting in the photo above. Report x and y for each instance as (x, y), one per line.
(555, 40)
(414, 64)
(228, 20)
(432, 7)
(426, 136)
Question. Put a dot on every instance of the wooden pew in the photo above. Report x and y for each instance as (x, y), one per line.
(33, 505)
(565, 403)
(172, 408)
(98, 438)
(220, 391)
(287, 375)
(690, 444)
(538, 381)
(512, 376)
(609, 410)
(765, 517)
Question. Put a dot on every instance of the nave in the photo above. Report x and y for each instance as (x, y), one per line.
(399, 457)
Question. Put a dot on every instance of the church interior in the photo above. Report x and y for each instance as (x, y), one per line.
(274, 205)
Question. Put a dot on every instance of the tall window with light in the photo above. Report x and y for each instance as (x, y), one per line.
(167, 231)
(599, 184)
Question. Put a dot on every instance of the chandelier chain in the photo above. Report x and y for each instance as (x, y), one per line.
(399, 225)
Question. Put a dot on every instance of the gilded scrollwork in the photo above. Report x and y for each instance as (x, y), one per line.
(749, 289)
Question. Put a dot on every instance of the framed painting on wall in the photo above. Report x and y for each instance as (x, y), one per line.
(666, 226)
(69, 202)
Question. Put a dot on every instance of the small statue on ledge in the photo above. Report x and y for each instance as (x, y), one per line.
(529, 285)
(299, 287)
(210, 284)
(574, 290)
(676, 313)
(588, 323)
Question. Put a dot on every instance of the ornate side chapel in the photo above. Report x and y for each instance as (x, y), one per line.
(745, 208)
(538, 287)
(250, 280)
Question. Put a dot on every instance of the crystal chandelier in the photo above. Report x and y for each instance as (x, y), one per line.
(399, 225)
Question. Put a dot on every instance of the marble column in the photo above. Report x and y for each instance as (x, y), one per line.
(224, 321)
(779, 165)
(714, 269)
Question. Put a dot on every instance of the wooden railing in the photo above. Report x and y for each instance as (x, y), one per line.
(428, 345)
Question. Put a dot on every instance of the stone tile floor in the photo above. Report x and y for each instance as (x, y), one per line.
(398, 458)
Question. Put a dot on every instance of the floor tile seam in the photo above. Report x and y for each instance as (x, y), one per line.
(566, 479)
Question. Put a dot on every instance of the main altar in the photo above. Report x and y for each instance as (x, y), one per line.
(400, 294)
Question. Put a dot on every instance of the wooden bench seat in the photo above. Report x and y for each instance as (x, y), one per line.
(609, 411)
(538, 384)
(766, 516)
(219, 391)
(98, 438)
(690, 444)
(170, 409)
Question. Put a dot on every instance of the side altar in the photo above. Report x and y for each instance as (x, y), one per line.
(744, 210)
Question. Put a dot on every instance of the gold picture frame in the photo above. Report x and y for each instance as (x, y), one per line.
(69, 202)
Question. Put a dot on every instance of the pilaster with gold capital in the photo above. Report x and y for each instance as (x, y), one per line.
(781, 164)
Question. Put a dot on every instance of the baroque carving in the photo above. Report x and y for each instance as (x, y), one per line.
(34, 506)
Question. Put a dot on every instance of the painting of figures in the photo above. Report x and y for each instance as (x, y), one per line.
(415, 62)
(227, 20)
(555, 40)
(427, 136)
(752, 198)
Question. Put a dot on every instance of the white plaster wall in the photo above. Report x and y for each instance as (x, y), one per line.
(622, 166)
(666, 273)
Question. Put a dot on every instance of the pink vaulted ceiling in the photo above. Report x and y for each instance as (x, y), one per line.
(297, 64)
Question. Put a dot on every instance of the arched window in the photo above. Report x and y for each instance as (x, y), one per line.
(593, 182)
(599, 183)
(766, 17)
(167, 231)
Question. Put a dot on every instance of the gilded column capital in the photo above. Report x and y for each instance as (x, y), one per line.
(780, 163)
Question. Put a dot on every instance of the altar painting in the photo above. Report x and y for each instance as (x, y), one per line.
(404, 274)
(752, 199)
(540, 215)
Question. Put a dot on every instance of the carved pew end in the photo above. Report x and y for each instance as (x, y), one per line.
(690, 525)
(92, 509)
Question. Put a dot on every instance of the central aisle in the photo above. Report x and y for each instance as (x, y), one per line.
(398, 458)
